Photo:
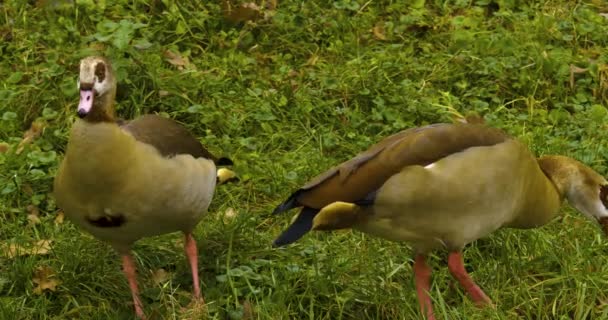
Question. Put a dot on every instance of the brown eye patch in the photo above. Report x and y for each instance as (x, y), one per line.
(100, 71)
(604, 195)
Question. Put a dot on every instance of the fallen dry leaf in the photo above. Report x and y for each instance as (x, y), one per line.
(229, 215)
(44, 278)
(160, 276)
(574, 70)
(378, 31)
(30, 135)
(60, 217)
(4, 147)
(12, 250)
(33, 214)
(163, 93)
(176, 59)
(247, 11)
(471, 117)
(41, 247)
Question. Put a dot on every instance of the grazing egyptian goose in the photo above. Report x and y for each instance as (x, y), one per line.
(441, 187)
(122, 181)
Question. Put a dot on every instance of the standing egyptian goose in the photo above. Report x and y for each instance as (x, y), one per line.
(444, 186)
(125, 181)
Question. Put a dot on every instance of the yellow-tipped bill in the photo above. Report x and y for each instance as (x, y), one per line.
(224, 175)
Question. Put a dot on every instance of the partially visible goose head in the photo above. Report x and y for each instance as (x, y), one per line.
(97, 86)
(585, 189)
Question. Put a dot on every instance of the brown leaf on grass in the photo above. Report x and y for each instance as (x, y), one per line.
(31, 134)
(250, 6)
(4, 147)
(574, 70)
(33, 215)
(176, 59)
(471, 117)
(378, 31)
(247, 11)
(41, 247)
(160, 276)
(229, 215)
(44, 278)
(12, 250)
(241, 12)
(60, 217)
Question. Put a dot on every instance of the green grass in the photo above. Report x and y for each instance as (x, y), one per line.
(287, 97)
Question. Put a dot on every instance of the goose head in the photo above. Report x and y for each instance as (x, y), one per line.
(97, 86)
(585, 189)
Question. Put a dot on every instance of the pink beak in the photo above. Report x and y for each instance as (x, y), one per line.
(86, 102)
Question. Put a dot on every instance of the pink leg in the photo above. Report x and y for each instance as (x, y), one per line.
(192, 253)
(128, 267)
(422, 276)
(456, 267)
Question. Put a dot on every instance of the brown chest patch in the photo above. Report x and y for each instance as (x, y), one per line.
(108, 221)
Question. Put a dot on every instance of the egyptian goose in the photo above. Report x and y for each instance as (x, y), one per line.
(444, 186)
(122, 181)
